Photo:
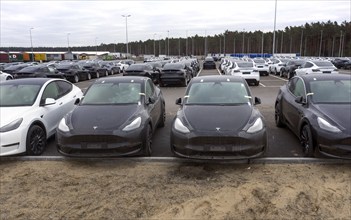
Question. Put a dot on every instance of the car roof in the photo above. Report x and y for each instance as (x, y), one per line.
(122, 79)
(218, 78)
(28, 81)
(312, 77)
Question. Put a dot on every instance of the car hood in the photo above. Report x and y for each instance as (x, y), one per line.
(212, 118)
(339, 113)
(91, 118)
(9, 114)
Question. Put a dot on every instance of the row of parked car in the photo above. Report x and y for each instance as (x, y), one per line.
(217, 118)
(161, 71)
(252, 69)
(73, 71)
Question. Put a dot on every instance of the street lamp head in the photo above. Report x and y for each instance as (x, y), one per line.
(126, 15)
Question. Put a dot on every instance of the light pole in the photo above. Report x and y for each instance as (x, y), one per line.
(224, 43)
(68, 41)
(320, 45)
(168, 43)
(159, 45)
(96, 45)
(262, 44)
(243, 41)
(154, 46)
(275, 22)
(301, 42)
(31, 42)
(126, 16)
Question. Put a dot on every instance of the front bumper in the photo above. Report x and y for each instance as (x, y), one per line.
(13, 142)
(218, 145)
(336, 145)
(100, 144)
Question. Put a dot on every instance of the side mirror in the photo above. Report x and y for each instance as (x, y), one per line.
(300, 100)
(49, 101)
(178, 101)
(151, 100)
(77, 102)
(257, 101)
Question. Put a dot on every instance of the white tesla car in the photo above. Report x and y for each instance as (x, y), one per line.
(30, 110)
(316, 66)
(247, 70)
(5, 76)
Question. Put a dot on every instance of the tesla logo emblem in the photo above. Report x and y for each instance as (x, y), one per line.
(218, 129)
(95, 127)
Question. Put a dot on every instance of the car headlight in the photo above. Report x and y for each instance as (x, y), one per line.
(11, 126)
(63, 126)
(327, 126)
(133, 125)
(179, 126)
(257, 126)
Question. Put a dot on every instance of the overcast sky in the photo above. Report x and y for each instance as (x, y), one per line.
(84, 23)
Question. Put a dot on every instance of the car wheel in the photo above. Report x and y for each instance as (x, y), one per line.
(106, 73)
(97, 75)
(36, 140)
(8, 78)
(257, 83)
(281, 74)
(278, 117)
(148, 141)
(306, 141)
(89, 76)
(76, 78)
(112, 72)
(185, 83)
(162, 120)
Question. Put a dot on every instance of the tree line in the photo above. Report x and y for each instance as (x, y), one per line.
(327, 39)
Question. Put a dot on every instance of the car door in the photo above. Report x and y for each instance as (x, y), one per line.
(292, 110)
(52, 113)
(154, 109)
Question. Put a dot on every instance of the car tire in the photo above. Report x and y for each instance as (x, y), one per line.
(281, 73)
(306, 141)
(185, 83)
(162, 120)
(97, 75)
(106, 73)
(89, 76)
(147, 143)
(278, 117)
(8, 78)
(36, 140)
(112, 72)
(75, 78)
(257, 83)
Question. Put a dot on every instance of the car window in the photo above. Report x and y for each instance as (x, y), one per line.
(51, 91)
(103, 93)
(299, 88)
(149, 89)
(64, 88)
(331, 91)
(18, 95)
(308, 65)
(217, 93)
(291, 85)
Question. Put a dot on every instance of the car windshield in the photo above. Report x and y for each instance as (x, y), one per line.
(331, 91)
(29, 69)
(259, 61)
(18, 95)
(173, 66)
(112, 93)
(248, 64)
(64, 66)
(217, 93)
(136, 67)
(323, 63)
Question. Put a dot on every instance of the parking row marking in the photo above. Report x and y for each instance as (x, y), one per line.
(280, 78)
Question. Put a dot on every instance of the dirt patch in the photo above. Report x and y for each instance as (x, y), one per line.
(129, 190)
